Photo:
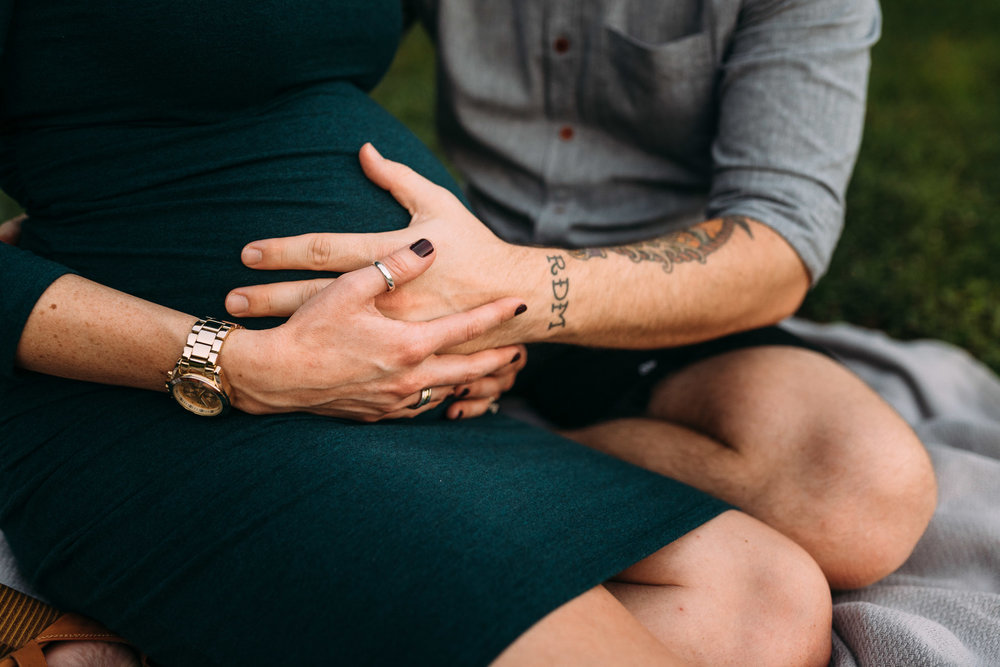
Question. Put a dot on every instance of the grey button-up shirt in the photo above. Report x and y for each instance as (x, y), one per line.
(596, 122)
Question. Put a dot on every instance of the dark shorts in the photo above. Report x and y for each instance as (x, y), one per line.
(572, 386)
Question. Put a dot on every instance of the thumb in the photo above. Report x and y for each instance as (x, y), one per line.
(407, 187)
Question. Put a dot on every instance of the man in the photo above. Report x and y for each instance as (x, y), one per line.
(695, 155)
(683, 168)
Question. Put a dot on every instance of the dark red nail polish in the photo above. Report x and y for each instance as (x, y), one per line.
(517, 358)
(520, 309)
(423, 247)
(465, 392)
(461, 413)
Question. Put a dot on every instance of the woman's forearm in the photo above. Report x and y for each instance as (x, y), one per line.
(85, 331)
(336, 356)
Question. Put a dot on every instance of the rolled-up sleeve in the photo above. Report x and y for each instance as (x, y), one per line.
(793, 93)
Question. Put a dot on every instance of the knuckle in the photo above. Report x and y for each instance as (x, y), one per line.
(397, 265)
(412, 352)
(403, 388)
(261, 301)
(319, 251)
(474, 329)
(306, 292)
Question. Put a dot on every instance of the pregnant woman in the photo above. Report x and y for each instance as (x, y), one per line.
(149, 142)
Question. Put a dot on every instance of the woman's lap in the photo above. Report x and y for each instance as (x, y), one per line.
(218, 541)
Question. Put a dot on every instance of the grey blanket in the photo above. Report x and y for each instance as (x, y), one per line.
(943, 606)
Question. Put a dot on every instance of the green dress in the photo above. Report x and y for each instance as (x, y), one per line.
(149, 141)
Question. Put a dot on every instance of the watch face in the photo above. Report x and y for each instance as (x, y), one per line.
(199, 395)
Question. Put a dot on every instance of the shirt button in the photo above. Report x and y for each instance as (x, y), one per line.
(561, 45)
(566, 133)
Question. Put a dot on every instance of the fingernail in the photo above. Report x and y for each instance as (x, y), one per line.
(423, 247)
(237, 304)
(517, 358)
(251, 256)
(520, 309)
(461, 413)
(465, 392)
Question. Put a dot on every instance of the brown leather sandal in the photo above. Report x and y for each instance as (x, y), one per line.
(28, 625)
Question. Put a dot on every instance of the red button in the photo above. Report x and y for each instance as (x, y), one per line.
(566, 133)
(561, 45)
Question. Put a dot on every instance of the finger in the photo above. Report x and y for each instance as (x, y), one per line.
(403, 266)
(321, 252)
(408, 410)
(409, 188)
(451, 370)
(415, 401)
(487, 387)
(274, 300)
(453, 330)
(470, 408)
(10, 231)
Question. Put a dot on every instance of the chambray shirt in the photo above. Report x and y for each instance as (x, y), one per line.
(597, 122)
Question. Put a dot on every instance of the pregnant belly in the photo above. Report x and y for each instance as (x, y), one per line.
(162, 213)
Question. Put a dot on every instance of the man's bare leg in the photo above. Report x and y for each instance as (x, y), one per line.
(796, 440)
(732, 592)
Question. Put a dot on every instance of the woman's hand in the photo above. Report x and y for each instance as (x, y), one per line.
(339, 356)
(476, 267)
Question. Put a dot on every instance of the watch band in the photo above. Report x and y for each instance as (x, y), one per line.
(201, 351)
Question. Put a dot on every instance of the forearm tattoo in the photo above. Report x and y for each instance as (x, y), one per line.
(560, 291)
(693, 244)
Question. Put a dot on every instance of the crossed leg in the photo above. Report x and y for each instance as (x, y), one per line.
(795, 440)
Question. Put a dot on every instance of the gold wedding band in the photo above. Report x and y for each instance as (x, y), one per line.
(390, 283)
(425, 398)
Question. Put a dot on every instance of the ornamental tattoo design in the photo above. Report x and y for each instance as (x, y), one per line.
(693, 244)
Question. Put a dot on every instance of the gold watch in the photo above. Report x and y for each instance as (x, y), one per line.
(196, 380)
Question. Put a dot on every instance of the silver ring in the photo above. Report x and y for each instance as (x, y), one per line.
(493, 408)
(390, 283)
(425, 398)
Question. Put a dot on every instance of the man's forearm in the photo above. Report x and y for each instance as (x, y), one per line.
(712, 279)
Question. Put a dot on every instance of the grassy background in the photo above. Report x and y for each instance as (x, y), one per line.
(917, 256)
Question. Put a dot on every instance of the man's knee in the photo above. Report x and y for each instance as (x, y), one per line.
(830, 464)
(892, 498)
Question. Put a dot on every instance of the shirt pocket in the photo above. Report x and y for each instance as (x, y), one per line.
(660, 95)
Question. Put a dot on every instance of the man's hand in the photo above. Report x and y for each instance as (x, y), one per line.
(474, 267)
(10, 231)
(692, 284)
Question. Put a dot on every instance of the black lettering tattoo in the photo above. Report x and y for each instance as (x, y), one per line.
(560, 291)
(693, 244)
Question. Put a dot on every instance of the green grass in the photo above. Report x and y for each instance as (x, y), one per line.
(918, 256)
